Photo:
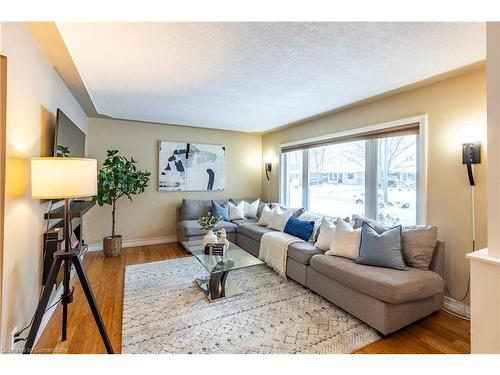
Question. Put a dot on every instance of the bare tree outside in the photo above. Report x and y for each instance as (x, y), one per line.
(396, 179)
(392, 155)
(317, 159)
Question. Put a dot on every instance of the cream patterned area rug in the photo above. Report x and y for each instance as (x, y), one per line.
(164, 311)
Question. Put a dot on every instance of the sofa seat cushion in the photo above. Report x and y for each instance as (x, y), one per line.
(244, 221)
(302, 252)
(191, 228)
(385, 284)
(253, 231)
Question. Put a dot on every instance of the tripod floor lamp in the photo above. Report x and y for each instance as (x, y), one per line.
(65, 178)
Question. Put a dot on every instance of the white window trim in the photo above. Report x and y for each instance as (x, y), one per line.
(421, 214)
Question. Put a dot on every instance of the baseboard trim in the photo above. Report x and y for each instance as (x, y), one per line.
(456, 307)
(138, 242)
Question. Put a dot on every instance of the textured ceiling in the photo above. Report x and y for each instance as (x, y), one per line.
(257, 76)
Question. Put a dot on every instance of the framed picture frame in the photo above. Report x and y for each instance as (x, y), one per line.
(185, 166)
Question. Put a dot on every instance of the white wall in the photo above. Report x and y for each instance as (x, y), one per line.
(34, 92)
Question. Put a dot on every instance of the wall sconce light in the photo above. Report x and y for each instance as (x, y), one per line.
(268, 168)
(471, 154)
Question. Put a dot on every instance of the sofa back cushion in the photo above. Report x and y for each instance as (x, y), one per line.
(381, 250)
(192, 209)
(419, 243)
(299, 228)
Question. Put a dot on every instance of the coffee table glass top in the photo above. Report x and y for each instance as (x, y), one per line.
(235, 258)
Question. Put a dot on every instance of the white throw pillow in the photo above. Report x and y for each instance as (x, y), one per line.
(345, 240)
(251, 209)
(326, 234)
(266, 216)
(237, 212)
(279, 219)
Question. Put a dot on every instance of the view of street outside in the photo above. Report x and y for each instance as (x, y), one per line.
(401, 207)
(337, 179)
(336, 175)
(337, 200)
(397, 180)
(340, 201)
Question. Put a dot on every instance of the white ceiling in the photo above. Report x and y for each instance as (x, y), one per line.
(257, 76)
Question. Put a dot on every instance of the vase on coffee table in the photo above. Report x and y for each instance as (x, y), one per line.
(209, 222)
(210, 237)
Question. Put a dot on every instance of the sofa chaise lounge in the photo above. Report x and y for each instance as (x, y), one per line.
(384, 298)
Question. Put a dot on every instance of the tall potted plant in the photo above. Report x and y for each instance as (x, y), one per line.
(118, 177)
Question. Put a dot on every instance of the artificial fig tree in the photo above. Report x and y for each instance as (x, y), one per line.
(118, 177)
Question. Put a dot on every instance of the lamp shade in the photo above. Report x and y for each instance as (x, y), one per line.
(56, 178)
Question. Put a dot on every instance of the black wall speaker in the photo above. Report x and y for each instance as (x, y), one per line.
(471, 153)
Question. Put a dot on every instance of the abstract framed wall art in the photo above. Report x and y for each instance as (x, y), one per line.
(191, 166)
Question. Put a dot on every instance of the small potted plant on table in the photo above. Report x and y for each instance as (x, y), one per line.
(208, 223)
(118, 177)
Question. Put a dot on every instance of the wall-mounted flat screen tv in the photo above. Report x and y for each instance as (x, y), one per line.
(69, 139)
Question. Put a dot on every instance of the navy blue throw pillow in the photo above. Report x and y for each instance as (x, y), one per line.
(221, 209)
(299, 228)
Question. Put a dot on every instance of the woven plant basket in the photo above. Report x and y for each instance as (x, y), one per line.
(112, 246)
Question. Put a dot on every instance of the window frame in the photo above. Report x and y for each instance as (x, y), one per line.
(370, 168)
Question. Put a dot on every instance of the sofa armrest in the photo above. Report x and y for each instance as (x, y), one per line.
(177, 214)
(437, 262)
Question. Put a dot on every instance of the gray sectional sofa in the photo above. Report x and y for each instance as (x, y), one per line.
(384, 298)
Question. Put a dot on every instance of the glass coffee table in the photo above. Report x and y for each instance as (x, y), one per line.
(217, 285)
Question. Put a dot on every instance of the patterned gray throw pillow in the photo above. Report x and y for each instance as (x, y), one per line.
(296, 212)
(359, 220)
(381, 250)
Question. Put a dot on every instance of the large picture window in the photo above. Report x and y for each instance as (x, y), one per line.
(373, 175)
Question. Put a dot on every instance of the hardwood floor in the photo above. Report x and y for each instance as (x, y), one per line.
(438, 333)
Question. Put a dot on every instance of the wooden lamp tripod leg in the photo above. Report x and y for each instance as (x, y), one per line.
(92, 303)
